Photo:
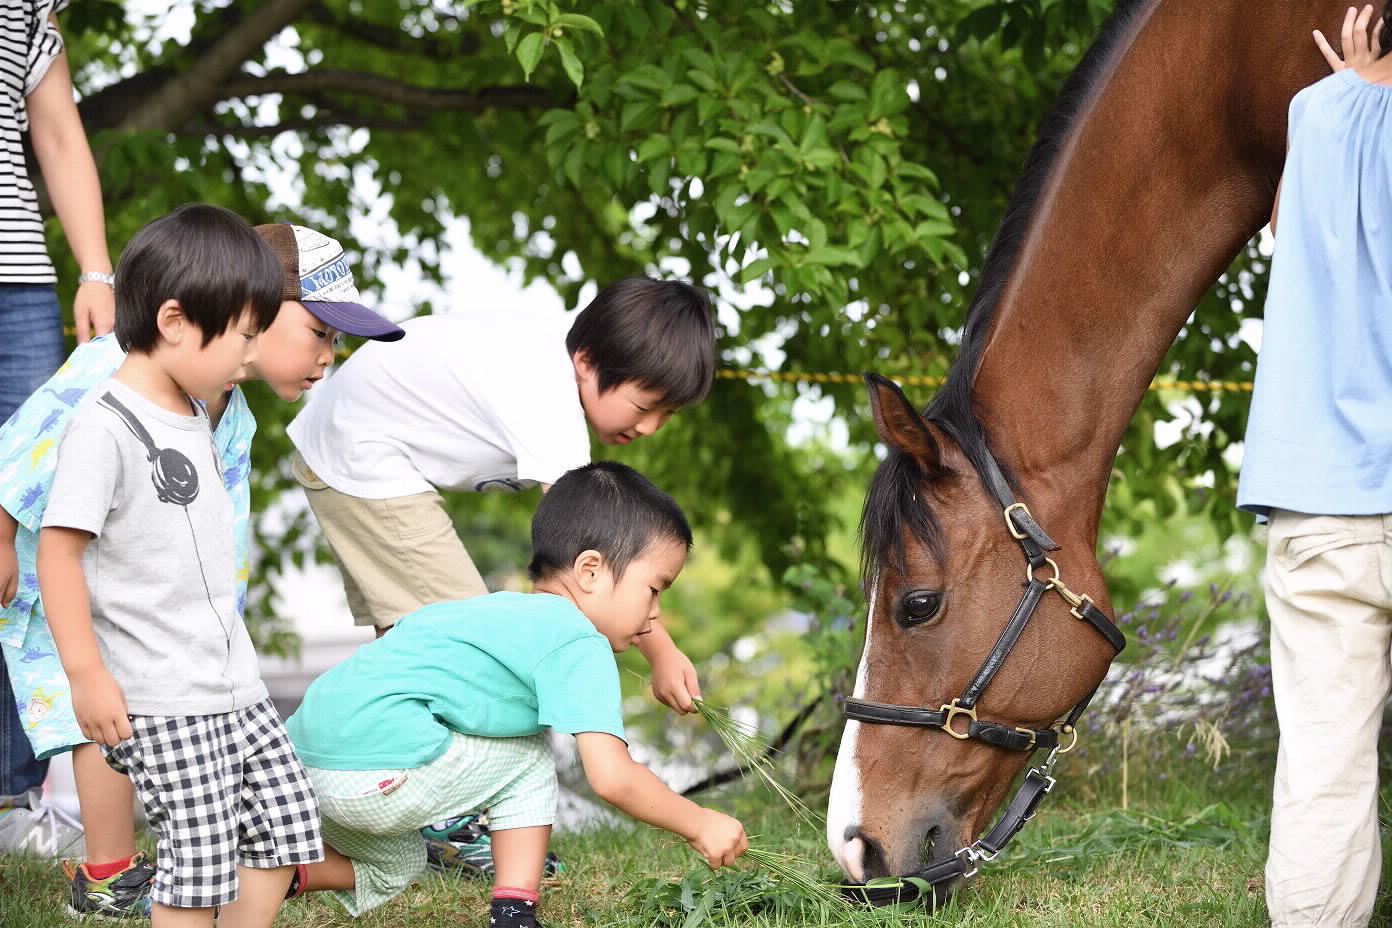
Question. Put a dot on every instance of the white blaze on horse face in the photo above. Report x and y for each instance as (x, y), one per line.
(845, 803)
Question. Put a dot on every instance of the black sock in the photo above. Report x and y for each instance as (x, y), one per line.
(513, 909)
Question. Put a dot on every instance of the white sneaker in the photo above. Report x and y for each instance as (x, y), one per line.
(40, 830)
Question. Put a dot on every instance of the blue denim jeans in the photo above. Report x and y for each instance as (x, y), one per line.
(31, 349)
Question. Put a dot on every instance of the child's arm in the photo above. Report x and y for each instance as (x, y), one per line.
(98, 703)
(632, 788)
(9, 562)
(674, 680)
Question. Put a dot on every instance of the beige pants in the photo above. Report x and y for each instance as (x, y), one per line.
(1329, 594)
(395, 555)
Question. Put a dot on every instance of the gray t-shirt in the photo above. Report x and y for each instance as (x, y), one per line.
(161, 569)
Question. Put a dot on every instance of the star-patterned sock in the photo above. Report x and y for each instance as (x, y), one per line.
(513, 908)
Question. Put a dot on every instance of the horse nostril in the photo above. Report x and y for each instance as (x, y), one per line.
(864, 854)
(930, 839)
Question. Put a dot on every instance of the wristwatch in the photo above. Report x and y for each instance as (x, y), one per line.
(101, 277)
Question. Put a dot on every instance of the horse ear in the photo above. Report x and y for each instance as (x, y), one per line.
(899, 425)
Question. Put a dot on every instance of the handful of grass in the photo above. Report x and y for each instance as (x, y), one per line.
(751, 753)
(789, 870)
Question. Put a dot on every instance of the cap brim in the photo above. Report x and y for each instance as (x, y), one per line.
(355, 319)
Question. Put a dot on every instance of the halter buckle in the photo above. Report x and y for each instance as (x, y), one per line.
(1033, 737)
(953, 710)
(1010, 524)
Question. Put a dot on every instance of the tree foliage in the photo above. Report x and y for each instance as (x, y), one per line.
(835, 168)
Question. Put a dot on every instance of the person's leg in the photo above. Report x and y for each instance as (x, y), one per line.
(30, 352)
(395, 555)
(518, 856)
(333, 872)
(259, 895)
(107, 800)
(19, 771)
(1327, 593)
(168, 916)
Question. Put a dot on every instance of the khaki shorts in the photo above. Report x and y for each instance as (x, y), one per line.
(395, 555)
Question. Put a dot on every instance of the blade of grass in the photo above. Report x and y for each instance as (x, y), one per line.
(751, 754)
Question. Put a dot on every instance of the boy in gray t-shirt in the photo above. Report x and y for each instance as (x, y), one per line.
(137, 572)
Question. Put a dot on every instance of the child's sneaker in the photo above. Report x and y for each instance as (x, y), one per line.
(30, 827)
(463, 845)
(125, 894)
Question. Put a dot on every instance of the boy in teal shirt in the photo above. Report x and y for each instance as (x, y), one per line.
(446, 713)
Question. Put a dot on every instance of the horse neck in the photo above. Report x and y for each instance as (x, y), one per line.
(1168, 170)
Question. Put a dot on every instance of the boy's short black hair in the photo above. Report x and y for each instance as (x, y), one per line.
(657, 333)
(206, 257)
(605, 506)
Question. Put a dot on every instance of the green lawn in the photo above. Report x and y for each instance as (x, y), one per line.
(1168, 864)
(1187, 850)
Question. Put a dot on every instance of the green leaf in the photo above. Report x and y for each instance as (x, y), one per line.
(529, 53)
(578, 21)
(573, 68)
(755, 269)
(720, 143)
(677, 94)
(831, 254)
(654, 147)
(847, 90)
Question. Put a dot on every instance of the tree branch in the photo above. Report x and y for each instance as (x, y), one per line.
(389, 90)
(393, 38)
(200, 86)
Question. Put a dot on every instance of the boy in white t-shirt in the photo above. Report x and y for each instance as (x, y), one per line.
(490, 400)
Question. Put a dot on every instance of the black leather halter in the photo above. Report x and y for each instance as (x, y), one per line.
(958, 718)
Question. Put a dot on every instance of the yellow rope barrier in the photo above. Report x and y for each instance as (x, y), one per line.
(915, 380)
(920, 380)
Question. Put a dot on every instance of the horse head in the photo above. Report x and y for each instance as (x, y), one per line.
(950, 579)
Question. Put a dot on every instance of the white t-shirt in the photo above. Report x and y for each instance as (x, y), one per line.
(466, 401)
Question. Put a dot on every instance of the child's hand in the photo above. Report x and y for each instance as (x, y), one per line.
(1359, 48)
(719, 838)
(9, 573)
(100, 707)
(674, 682)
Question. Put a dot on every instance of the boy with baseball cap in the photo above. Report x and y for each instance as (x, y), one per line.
(318, 299)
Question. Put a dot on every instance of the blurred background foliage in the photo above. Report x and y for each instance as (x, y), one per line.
(833, 169)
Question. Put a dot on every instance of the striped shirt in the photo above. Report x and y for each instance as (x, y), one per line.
(29, 43)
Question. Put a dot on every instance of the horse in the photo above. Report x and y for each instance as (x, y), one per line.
(1158, 162)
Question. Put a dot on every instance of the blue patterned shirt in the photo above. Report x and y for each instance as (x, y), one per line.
(29, 440)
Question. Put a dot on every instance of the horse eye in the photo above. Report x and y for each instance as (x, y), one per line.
(918, 607)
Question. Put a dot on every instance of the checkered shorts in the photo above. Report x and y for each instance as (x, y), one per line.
(219, 790)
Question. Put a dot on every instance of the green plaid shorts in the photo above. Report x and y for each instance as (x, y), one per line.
(374, 817)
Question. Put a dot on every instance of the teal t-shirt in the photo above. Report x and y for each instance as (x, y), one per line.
(501, 665)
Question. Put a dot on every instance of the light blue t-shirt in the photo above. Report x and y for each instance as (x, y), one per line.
(501, 665)
(28, 455)
(1319, 438)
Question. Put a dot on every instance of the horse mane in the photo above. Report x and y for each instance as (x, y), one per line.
(891, 503)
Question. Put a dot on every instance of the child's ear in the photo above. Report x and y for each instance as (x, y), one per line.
(171, 322)
(590, 567)
(584, 369)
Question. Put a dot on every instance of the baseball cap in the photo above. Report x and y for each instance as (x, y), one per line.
(317, 275)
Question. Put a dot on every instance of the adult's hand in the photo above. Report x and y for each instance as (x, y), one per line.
(94, 310)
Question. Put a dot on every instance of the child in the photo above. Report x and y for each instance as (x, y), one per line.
(1316, 464)
(291, 355)
(489, 401)
(445, 713)
(495, 400)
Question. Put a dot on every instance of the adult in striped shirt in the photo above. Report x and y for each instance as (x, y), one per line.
(36, 96)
